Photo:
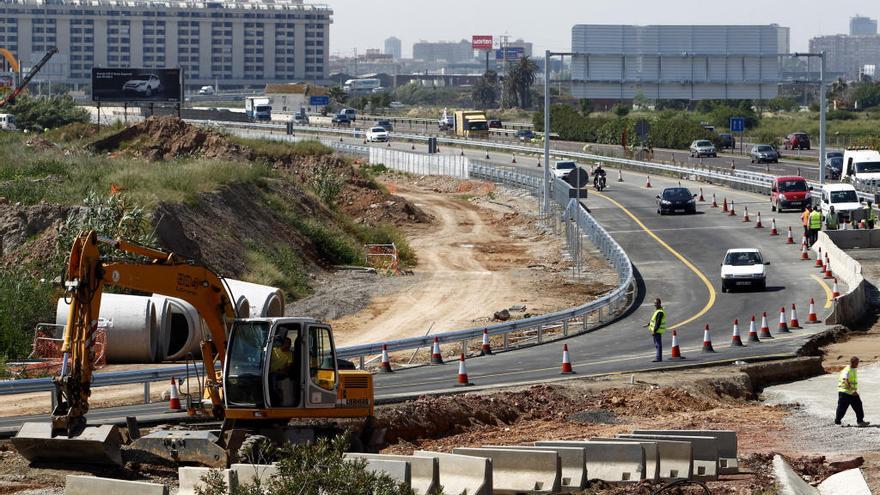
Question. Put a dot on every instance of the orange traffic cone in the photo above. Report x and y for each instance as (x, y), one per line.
(462, 373)
(835, 292)
(485, 348)
(174, 397)
(805, 256)
(436, 357)
(759, 225)
(790, 239)
(676, 351)
(783, 326)
(828, 274)
(753, 331)
(794, 323)
(386, 363)
(707, 340)
(732, 211)
(773, 230)
(736, 341)
(725, 209)
(514, 158)
(566, 361)
(648, 182)
(487, 155)
(619, 175)
(746, 214)
(765, 329)
(819, 263)
(811, 316)
(701, 196)
(714, 201)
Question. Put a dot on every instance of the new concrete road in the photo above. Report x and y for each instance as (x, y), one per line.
(676, 258)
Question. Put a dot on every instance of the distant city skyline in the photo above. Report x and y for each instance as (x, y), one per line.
(358, 24)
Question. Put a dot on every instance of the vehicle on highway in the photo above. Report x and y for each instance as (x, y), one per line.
(300, 118)
(258, 108)
(377, 135)
(206, 90)
(843, 198)
(146, 85)
(861, 166)
(797, 141)
(726, 141)
(743, 267)
(834, 165)
(495, 124)
(470, 123)
(764, 153)
(562, 168)
(525, 135)
(351, 113)
(341, 120)
(676, 200)
(789, 192)
(703, 147)
(385, 124)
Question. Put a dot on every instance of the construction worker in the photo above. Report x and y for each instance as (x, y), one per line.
(815, 224)
(805, 220)
(848, 394)
(279, 370)
(870, 215)
(657, 326)
(832, 219)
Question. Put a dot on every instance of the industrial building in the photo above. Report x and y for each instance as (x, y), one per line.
(236, 43)
(394, 47)
(860, 25)
(618, 62)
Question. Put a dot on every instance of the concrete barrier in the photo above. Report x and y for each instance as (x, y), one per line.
(705, 453)
(725, 442)
(248, 474)
(572, 464)
(396, 470)
(462, 474)
(188, 478)
(849, 482)
(424, 471)
(608, 461)
(90, 485)
(520, 471)
(851, 309)
(653, 458)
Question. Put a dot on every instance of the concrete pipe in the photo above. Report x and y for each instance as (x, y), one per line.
(132, 334)
(184, 329)
(264, 301)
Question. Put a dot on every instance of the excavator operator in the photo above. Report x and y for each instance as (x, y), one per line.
(282, 374)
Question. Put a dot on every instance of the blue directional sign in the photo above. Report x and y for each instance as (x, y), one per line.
(510, 53)
(319, 101)
(737, 124)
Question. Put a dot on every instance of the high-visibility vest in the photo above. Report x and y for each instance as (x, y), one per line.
(658, 326)
(849, 382)
(815, 220)
(805, 216)
(832, 220)
(870, 214)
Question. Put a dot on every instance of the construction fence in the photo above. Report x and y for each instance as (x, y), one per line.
(413, 163)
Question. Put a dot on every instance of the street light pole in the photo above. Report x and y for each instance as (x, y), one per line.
(547, 55)
(823, 108)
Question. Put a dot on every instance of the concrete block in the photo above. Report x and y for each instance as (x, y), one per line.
(396, 470)
(462, 474)
(653, 458)
(90, 485)
(189, 478)
(609, 461)
(849, 482)
(424, 471)
(248, 474)
(572, 464)
(520, 471)
(705, 453)
(725, 442)
(790, 483)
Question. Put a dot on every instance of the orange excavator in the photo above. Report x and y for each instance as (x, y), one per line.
(278, 378)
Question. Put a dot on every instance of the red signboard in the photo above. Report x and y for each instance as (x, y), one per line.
(481, 42)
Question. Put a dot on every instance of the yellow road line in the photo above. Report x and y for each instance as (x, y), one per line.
(829, 296)
(678, 255)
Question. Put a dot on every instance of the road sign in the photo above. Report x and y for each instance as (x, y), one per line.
(319, 101)
(482, 42)
(737, 124)
(512, 53)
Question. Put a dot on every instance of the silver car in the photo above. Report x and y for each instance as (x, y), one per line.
(764, 153)
(703, 147)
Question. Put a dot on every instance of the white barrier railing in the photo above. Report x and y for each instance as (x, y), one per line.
(414, 163)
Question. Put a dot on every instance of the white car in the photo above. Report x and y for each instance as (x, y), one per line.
(743, 268)
(842, 197)
(206, 90)
(703, 147)
(377, 134)
(563, 168)
(146, 85)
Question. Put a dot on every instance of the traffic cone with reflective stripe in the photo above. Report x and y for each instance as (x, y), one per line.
(828, 274)
(701, 196)
(714, 201)
(725, 209)
(773, 230)
(835, 292)
(707, 340)
(790, 239)
(759, 225)
(676, 350)
(514, 158)
(732, 211)
(736, 341)
(746, 214)
(462, 373)
(765, 329)
(819, 263)
(485, 348)
(436, 357)
(794, 323)
(753, 331)
(174, 397)
(783, 326)
(619, 175)
(805, 255)
(811, 316)
(648, 182)
(386, 363)
(566, 361)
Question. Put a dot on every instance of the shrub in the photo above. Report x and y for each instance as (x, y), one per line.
(24, 301)
(620, 109)
(47, 112)
(278, 267)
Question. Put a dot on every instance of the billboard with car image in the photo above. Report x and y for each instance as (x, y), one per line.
(137, 85)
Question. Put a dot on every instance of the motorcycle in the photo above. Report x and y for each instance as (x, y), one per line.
(599, 182)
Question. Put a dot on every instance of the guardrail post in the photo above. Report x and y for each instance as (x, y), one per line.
(586, 318)
(361, 363)
(506, 343)
(146, 392)
(464, 349)
(52, 400)
(541, 333)
(565, 328)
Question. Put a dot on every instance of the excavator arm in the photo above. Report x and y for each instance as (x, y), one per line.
(10, 98)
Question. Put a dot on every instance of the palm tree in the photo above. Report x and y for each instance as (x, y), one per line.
(519, 82)
(485, 92)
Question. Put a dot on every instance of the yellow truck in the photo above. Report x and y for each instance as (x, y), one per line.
(471, 124)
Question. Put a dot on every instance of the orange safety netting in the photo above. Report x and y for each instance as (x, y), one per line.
(46, 354)
(383, 257)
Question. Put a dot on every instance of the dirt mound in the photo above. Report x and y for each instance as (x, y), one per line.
(19, 224)
(163, 138)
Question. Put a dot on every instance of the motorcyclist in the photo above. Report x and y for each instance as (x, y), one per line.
(597, 173)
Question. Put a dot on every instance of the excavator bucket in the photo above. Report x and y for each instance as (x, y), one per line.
(184, 447)
(94, 445)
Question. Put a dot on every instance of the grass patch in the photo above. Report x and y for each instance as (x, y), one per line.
(24, 300)
(280, 267)
(277, 149)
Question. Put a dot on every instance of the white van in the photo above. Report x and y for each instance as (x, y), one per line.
(7, 122)
(843, 198)
(861, 166)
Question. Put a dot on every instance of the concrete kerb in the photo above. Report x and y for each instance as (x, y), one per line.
(460, 474)
(572, 463)
(608, 461)
(189, 478)
(705, 453)
(396, 470)
(658, 466)
(789, 481)
(424, 471)
(90, 485)
(849, 482)
(520, 471)
(248, 474)
(725, 442)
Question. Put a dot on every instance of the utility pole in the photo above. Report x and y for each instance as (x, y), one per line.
(823, 109)
(547, 55)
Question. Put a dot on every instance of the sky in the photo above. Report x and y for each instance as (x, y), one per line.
(547, 23)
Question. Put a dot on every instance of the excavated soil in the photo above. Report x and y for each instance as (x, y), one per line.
(27, 232)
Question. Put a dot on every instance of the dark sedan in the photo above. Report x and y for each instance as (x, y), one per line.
(834, 167)
(676, 200)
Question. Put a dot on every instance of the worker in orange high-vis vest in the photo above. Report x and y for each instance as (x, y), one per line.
(805, 220)
(848, 393)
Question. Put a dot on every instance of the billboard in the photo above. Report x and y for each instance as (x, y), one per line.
(510, 53)
(147, 85)
(481, 42)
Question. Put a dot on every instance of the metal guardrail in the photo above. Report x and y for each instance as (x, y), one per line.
(29, 385)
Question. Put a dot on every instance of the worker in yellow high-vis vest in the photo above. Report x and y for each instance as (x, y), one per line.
(657, 326)
(848, 393)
